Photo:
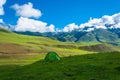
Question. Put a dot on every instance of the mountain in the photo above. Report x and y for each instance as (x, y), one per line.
(111, 36)
(12, 43)
(100, 35)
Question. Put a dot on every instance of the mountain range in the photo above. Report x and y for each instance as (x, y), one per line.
(111, 36)
(84, 35)
(12, 43)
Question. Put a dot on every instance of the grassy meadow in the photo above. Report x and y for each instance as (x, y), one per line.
(100, 66)
(33, 44)
(22, 58)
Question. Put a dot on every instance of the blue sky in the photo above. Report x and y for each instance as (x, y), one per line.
(63, 12)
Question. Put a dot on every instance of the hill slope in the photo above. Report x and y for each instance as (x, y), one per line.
(16, 43)
(100, 48)
(111, 36)
(103, 66)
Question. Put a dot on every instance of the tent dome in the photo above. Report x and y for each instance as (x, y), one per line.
(52, 56)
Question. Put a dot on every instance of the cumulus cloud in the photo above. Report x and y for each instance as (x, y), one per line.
(70, 27)
(105, 22)
(2, 2)
(26, 10)
(96, 23)
(26, 24)
(50, 28)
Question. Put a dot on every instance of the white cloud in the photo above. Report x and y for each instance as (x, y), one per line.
(50, 28)
(97, 23)
(107, 19)
(89, 29)
(2, 2)
(116, 17)
(26, 24)
(70, 27)
(105, 22)
(1, 21)
(116, 26)
(26, 10)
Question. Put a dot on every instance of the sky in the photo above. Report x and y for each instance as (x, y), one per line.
(56, 15)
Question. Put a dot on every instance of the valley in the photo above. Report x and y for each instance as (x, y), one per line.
(59, 39)
(22, 58)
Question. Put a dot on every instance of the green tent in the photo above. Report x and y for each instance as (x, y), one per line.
(52, 56)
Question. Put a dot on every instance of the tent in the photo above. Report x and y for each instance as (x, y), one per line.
(52, 56)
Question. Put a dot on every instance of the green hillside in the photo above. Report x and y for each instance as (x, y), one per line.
(16, 43)
(110, 36)
(100, 48)
(21, 58)
(102, 66)
(22, 49)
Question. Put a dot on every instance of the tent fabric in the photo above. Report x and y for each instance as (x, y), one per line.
(52, 56)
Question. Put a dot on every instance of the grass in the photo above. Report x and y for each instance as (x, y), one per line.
(16, 43)
(21, 58)
(101, 66)
(22, 49)
(100, 48)
(33, 44)
(25, 59)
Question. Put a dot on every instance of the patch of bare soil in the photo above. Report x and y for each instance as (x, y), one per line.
(9, 48)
